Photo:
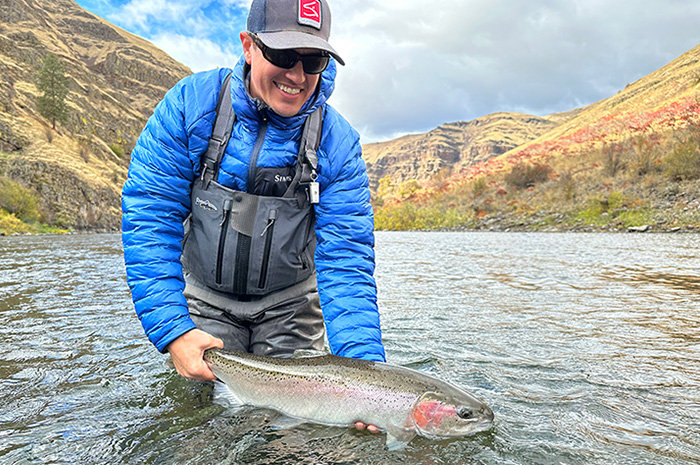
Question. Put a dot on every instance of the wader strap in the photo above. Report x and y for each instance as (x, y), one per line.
(221, 132)
(311, 138)
(307, 160)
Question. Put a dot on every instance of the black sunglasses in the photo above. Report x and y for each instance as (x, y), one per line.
(287, 59)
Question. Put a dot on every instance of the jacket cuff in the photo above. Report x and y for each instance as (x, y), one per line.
(176, 330)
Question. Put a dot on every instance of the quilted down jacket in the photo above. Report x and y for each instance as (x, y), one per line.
(156, 200)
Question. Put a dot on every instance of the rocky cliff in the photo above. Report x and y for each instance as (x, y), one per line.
(454, 146)
(116, 79)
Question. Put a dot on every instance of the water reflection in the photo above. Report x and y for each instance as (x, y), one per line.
(685, 282)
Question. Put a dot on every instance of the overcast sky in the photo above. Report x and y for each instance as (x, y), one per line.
(412, 65)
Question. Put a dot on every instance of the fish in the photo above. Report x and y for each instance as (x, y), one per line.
(318, 387)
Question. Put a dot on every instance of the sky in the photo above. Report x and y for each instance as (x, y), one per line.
(412, 65)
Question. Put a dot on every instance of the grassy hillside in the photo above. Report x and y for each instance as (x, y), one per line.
(73, 174)
(628, 161)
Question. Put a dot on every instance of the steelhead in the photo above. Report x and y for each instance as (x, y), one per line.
(338, 391)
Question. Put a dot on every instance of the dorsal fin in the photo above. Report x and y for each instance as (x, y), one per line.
(308, 353)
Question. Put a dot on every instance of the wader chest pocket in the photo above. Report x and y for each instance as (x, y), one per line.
(247, 244)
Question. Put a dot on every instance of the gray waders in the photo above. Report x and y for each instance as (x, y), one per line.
(248, 257)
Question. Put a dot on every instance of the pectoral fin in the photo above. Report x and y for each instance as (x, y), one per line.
(397, 438)
(222, 392)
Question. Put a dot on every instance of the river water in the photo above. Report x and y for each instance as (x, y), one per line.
(586, 347)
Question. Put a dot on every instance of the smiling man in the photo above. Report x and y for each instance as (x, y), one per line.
(246, 215)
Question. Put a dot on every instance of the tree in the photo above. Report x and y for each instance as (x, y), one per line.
(53, 83)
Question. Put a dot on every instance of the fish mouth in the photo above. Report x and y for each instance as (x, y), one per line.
(483, 425)
(471, 429)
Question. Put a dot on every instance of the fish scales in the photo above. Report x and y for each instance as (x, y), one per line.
(260, 380)
(339, 391)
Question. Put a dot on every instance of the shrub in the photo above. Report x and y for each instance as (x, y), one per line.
(407, 215)
(118, 150)
(567, 185)
(18, 200)
(645, 154)
(526, 175)
(684, 162)
(478, 186)
(618, 208)
(408, 188)
(612, 158)
(11, 224)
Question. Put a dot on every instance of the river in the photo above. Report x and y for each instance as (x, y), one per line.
(586, 347)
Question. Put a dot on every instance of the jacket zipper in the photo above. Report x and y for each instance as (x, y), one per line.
(240, 283)
(269, 228)
(223, 226)
(262, 131)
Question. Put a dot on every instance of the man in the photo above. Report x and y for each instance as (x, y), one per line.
(250, 219)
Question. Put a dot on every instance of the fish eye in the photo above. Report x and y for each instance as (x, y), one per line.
(464, 412)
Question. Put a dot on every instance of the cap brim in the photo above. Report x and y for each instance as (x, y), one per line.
(285, 40)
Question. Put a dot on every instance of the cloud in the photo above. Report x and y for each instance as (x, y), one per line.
(199, 54)
(147, 14)
(414, 65)
(219, 20)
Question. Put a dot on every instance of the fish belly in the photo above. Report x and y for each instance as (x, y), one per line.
(335, 404)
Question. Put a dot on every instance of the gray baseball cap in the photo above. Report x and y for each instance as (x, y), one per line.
(287, 24)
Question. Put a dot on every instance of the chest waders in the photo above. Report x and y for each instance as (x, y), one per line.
(245, 243)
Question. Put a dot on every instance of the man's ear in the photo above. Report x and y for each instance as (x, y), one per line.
(248, 45)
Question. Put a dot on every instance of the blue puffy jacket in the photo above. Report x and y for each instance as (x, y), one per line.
(156, 200)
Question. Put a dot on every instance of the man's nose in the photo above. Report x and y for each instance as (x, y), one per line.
(296, 73)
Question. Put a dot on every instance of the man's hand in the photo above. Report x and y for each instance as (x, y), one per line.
(362, 426)
(187, 352)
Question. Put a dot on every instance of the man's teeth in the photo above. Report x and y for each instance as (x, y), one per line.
(288, 90)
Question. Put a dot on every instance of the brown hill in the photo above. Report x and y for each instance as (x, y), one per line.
(633, 158)
(662, 106)
(454, 146)
(116, 79)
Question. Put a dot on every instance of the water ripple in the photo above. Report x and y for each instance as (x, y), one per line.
(587, 347)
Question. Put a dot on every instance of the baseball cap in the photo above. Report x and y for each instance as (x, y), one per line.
(287, 24)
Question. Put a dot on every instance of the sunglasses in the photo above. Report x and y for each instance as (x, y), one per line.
(287, 59)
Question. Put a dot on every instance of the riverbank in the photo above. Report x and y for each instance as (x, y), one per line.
(11, 225)
(657, 221)
(552, 222)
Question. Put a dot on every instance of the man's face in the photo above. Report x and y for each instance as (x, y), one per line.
(283, 90)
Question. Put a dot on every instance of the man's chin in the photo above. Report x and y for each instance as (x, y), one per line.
(285, 110)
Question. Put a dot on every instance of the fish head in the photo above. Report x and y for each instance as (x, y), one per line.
(437, 415)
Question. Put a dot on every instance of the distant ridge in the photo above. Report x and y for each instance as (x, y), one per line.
(455, 146)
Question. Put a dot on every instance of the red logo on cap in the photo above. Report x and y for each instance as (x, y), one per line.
(310, 13)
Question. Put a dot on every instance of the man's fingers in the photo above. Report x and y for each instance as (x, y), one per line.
(360, 426)
(187, 351)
